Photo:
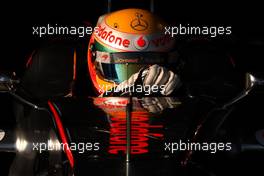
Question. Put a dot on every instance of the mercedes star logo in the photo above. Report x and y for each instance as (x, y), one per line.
(138, 23)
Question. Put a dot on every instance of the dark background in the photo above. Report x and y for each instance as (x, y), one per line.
(17, 20)
(245, 44)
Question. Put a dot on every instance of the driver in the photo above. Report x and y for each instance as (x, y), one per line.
(129, 53)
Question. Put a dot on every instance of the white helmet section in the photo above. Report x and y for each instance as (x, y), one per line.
(126, 42)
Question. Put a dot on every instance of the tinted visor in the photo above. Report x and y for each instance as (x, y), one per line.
(118, 67)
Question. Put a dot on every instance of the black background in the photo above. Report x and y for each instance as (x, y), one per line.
(245, 43)
(17, 20)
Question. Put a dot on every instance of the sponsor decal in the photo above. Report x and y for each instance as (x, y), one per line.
(138, 23)
(131, 42)
(108, 36)
(141, 42)
(141, 131)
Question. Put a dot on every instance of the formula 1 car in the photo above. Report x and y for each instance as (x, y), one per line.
(54, 129)
(52, 122)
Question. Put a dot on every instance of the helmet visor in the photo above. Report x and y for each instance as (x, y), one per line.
(118, 67)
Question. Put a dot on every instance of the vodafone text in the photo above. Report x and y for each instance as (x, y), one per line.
(130, 41)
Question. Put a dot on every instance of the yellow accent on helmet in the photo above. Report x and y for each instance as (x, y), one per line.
(135, 21)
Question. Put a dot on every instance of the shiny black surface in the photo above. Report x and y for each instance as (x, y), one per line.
(86, 121)
(81, 116)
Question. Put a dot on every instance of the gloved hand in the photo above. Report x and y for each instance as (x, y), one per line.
(155, 75)
(158, 104)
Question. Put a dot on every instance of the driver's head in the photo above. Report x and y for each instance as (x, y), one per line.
(123, 42)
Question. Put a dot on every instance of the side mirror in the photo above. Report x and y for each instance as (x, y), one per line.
(8, 82)
(251, 82)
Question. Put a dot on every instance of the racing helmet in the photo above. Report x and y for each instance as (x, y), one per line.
(123, 42)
